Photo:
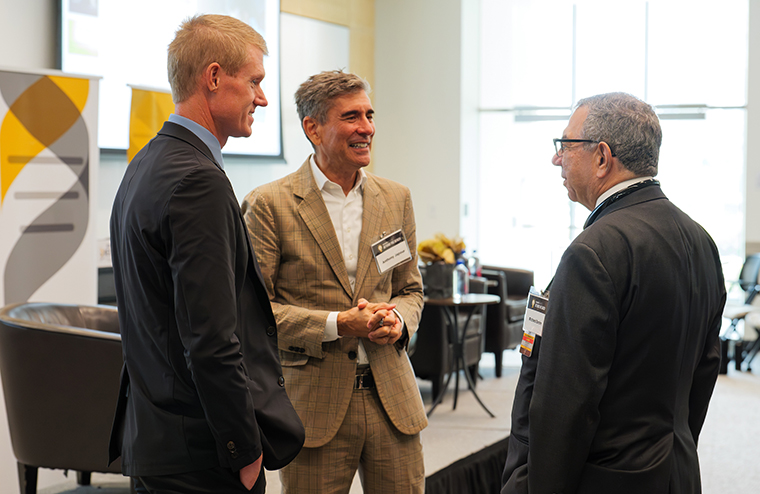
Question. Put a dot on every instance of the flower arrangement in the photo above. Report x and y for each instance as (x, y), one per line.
(440, 249)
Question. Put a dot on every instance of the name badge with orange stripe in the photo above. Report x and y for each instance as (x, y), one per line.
(533, 324)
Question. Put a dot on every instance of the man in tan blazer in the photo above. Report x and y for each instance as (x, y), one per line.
(343, 326)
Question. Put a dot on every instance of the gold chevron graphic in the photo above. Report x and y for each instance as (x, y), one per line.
(44, 125)
(36, 119)
(76, 89)
(17, 148)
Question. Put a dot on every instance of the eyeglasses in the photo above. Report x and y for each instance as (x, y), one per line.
(559, 144)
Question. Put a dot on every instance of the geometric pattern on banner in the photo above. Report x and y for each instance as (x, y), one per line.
(45, 114)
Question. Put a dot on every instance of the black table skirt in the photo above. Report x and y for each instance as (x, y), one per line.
(479, 473)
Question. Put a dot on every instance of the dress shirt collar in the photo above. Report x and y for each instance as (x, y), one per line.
(322, 179)
(619, 187)
(203, 134)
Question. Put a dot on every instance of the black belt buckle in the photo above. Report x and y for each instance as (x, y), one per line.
(364, 381)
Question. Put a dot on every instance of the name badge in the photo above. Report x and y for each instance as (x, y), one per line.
(526, 345)
(535, 313)
(391, 251)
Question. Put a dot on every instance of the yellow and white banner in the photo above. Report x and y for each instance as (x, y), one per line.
(48, 175)
(150, 109)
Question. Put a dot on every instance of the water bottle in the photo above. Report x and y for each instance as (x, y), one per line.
(461, 280)
(473, 264)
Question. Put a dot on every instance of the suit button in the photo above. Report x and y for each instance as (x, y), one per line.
(281, 381)
(302, 350)
(231, 446)
(352, 355)
(292, 349)
(271, 331)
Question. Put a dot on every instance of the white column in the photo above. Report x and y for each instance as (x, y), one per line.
(752, 216)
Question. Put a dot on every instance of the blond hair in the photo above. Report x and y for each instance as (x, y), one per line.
(202, 40)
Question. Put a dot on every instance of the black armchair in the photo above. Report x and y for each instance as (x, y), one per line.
(433, 356)
(60, 367)
(504, 321)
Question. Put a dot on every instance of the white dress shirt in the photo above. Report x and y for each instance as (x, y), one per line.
(346, 215)
(619, 187)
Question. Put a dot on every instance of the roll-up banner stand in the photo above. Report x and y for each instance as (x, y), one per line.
(48, 177)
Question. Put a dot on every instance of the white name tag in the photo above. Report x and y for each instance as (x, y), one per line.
(391, 251)
(535, 313)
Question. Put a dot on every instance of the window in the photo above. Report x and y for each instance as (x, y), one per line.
(689, 60)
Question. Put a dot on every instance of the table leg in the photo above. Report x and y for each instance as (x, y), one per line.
(470, 383)
(439, 398)
(459, 363)
(452, 337)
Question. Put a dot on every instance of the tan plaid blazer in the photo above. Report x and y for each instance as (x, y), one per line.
(304, 272)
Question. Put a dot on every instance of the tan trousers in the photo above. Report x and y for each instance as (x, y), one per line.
(388, 461)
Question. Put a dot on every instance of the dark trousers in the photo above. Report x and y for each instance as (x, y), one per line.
(213, 481)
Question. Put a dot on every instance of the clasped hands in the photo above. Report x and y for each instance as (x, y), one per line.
(374, 321)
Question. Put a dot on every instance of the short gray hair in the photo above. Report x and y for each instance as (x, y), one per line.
(314, 97)
(629, 126)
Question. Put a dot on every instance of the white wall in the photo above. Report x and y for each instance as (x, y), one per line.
(469, 124)
(27, 34)
(753, 131)
(417, 98)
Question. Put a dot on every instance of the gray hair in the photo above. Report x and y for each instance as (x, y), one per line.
(314, 97)
(629, 126)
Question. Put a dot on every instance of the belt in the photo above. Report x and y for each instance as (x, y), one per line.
(364, 379)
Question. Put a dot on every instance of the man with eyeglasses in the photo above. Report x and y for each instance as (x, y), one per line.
(629, 350)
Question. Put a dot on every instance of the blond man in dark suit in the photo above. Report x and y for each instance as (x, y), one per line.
(201, 407)
(343, 324)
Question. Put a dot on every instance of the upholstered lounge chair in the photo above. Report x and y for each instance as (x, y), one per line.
(60, 367)
(504, 321)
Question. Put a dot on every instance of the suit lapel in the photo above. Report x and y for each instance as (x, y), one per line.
(372, 220)
(314, 213)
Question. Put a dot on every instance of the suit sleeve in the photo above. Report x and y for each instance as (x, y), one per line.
(578, 346)
(706, 374)
(406, 281)
(202, 215)
(297, 327)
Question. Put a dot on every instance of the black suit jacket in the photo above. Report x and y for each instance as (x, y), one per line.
(615, 395)
(202, 384)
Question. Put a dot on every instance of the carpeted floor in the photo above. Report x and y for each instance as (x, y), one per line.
(727, 448)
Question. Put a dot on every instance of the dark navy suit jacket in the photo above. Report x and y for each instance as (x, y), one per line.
(202, 384)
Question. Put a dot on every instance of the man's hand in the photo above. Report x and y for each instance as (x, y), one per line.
(249, 473)
(362, 319)
(388, 331)
(380, 324)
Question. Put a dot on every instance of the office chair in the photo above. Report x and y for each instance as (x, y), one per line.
(750, 283)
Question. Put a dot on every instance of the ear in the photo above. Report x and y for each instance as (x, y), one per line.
(312, 130)
(210, 77)
(604, 160)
